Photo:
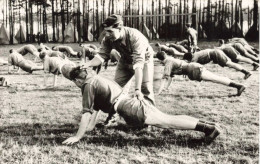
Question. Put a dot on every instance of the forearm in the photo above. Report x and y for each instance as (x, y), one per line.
(83, 125)
(169, 83)
(162, 85)
(45, 79)
(87, 123)
(138, 78)
(55, 80)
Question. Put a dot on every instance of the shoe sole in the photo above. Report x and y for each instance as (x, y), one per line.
(241, 90)
(213, 135)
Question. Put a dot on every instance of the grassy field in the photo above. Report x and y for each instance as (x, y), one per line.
(34, 120)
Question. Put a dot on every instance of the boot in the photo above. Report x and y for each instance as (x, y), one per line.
(247, 74)
(255, 66)
(211, 131)
(240, 87)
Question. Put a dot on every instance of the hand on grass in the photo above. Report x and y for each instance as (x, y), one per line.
(71, 140)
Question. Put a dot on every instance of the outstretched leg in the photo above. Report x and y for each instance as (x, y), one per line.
(209, 76)
(159, 119)
(238, 67)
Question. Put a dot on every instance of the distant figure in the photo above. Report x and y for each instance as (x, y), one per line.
(218, 57)
(54, 65)
(242, 50)
(178, 47)
(247, 46)
(169, 50)
(29, 48)
(18, 60)
(51, 53)
(235, 56)
(62, 48)
(194, 71)
(90, 50)
(192, 38)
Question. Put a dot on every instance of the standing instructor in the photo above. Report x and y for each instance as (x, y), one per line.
(136, 56)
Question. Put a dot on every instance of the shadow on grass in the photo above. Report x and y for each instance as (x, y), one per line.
(200, 96)
(119, 136)
(51, 89)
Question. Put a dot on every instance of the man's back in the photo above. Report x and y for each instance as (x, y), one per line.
(100, 93)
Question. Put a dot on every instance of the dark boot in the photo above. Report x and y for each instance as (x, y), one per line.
(211, 131)
(240, 87)
(255, 66)
(247, 74)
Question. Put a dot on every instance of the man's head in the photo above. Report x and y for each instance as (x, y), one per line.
(221, 42)
(11, 51)
(187, 56)
(187, 25)
(78, 74)
(161, 55)
(157, 44)
(43, 55)
(112, 26)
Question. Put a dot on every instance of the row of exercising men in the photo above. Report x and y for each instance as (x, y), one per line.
(136, 59)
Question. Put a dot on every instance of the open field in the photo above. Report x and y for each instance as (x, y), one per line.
(34, 120)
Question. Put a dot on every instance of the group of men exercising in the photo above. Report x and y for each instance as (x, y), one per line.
(135, 60)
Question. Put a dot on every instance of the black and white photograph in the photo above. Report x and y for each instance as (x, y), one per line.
(129, 81)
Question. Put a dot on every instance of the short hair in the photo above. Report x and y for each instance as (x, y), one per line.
(42, 55)
(161, 55)
(113, 20)
(53, 47)
(221, 41)
(188, 24)
(157, 44)
(11, 51)
(187, 56)
(39, 49)
(75, 72)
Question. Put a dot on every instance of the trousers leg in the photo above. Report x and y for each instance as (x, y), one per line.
(209, 76)
(147, 82)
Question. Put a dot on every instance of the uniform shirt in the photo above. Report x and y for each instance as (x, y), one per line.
(27, 48)
(134, 48)
(192, 37)
(202, 57)
(99, 93)
(230, 51)
(173, 67)
(15, 58)
(54, 64)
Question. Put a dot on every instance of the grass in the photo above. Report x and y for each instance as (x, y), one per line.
(34, 120)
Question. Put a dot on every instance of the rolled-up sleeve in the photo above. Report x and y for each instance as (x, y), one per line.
(46, 65)
(139, 47)
(104, 49)
(88, 96)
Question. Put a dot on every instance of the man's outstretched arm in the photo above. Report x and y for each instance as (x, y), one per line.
(87, 123)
